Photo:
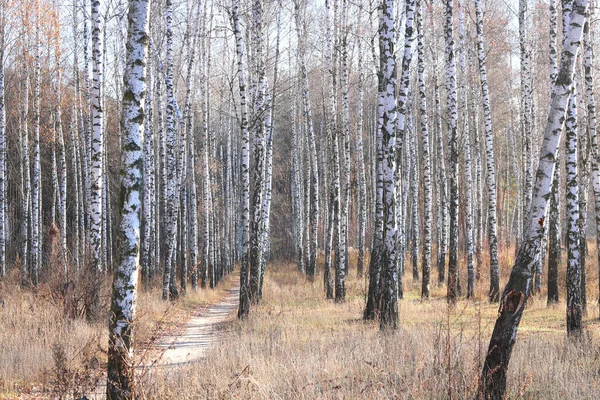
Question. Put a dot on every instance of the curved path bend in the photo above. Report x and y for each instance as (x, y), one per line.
(200, 333)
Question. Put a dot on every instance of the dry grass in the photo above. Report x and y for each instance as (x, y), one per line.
(43, 351)
(297, 345)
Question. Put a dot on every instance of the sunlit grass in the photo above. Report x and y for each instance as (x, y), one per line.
(298, 345)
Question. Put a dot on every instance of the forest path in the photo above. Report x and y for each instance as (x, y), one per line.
(205, 328)
(202, 331)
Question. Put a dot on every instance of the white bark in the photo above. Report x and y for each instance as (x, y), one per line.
(123, 306)
(588, 58)
(26, 182)
(314, 184)
(427, 209)
(574, 312)
(453, 134)
(386, 124)
(244, 306)
(362, 181)
(97, 144)
(526, 104)
(464, 106)
(172, 198)
(494, 292)
(36, 230)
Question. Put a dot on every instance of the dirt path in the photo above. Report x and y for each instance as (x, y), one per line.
(202, 331)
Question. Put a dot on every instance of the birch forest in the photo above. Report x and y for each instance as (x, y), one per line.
(299, 199)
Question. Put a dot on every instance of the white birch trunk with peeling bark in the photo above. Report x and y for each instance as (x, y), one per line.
(574, 311)
(427, 195)
(494, 293)
(120, 369)
(466, 133)
(36, 183)
(171, 139)
(453, 135)
(26, 183)
(386, 125)
(554, 235)
(308, 119)
(244, 306)
(588, 63)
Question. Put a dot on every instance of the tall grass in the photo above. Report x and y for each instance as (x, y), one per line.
(297, 345)
(45, 351)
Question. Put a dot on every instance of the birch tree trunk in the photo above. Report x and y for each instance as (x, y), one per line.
(526, 107)
(588, 58)
(554, 245)
(345, 135)
(442, 181)
(574, 311)
(244, 306)
(314, 184)
(62, 198)
(402, 111)
(494, 293)
(426, 260)
(96, 164)
(26, 183)
(453, 134)
(464, 105)
(583, 160)
(386, 124)
(123, 305)
(75, 173)
(36, 229)
(266, 206)
(362, 181)
(259, 131)
(518, 288)
(169, 289)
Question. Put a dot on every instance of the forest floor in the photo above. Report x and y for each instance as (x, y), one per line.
(298, 345)
(45, 354)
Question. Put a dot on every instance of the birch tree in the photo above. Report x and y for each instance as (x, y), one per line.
(453, 134)
(464, 106)
(171, 139)
(574, 309)
(96, 158)
(62, 161)
(518, 288)
(588, 58)
(426, 260)
(258, 128)
(314, 187)
(36, 178)
(526, 105)
(120, 383)
(244, 305)
(362, 181)
(554, 245)
(386, 124)
(494, 293)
